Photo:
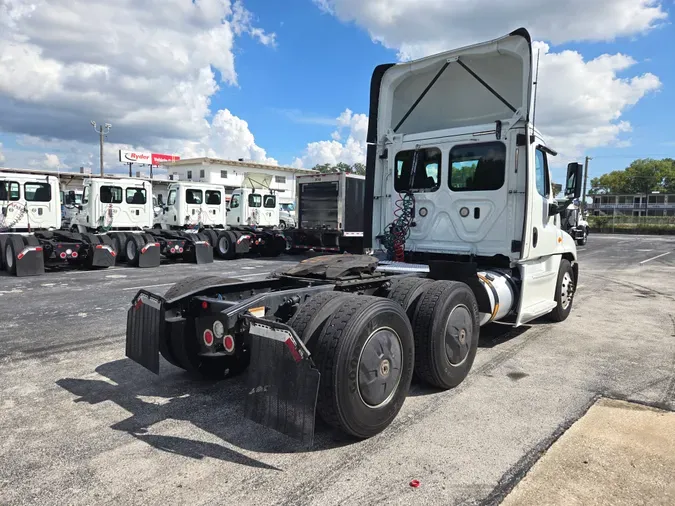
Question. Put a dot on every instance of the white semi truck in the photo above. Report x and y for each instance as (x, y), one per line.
(247, 225)
(123, 209)
(461, 228)
(30, 229)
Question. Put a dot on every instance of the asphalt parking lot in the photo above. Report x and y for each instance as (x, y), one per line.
(81, 424)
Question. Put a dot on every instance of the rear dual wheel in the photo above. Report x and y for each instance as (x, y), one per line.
(363, 347)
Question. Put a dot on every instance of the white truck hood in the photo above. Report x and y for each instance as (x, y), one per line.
(460, 95)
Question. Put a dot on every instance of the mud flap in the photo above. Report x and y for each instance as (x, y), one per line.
(201, 252)
(144, 327)
(282, 384)
(29, 258)
(149, 255)
(102, 255)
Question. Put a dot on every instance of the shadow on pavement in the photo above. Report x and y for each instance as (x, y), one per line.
(214, 407)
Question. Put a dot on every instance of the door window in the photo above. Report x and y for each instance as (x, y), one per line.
(234, 201)
(541, 172)
(111, 195)
(171, 200)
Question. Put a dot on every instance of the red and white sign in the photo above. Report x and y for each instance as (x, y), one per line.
(159, 159)
(145, 158)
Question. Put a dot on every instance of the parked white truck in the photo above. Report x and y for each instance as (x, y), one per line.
(461, 229)
(30, 229)
(247, 225)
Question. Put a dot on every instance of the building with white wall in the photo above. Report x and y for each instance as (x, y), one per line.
(231, 174)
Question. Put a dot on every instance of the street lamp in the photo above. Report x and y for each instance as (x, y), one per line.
(102, 130)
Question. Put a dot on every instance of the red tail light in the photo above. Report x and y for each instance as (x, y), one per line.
(74, 254)
(63, 255)
(208, 337)
(205, 305)
(228, 343)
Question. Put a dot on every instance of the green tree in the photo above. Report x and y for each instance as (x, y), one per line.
(327, 168)
(612, 182)
(359, 168)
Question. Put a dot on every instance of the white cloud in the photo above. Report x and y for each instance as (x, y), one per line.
(149, 67)
(420, 27)
(352, 150)
(580, 102)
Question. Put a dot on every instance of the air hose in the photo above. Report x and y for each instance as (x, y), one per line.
(398, 231)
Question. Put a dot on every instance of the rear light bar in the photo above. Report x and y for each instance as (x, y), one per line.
(107, 248)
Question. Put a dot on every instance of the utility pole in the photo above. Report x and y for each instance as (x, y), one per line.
(101, 132)
(583, 196)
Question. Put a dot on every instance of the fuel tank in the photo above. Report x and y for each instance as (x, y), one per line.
(502, 293)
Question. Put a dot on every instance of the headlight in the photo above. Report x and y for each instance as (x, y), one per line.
(218, 329)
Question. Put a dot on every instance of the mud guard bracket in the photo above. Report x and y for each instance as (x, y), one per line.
(282, 384)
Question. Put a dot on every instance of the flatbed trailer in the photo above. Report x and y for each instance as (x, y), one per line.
(446, 251)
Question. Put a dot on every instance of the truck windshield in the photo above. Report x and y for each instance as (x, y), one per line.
(37, 192)
(426, 175)
(212, 198)
(270, 201)
(477, 167)
(254, 200)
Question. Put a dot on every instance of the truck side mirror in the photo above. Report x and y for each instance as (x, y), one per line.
(160, 200)
(573, 185)
(553, 209)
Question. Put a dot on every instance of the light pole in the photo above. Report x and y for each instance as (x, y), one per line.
(101, 132)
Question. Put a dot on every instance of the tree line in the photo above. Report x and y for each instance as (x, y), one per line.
(643, 176)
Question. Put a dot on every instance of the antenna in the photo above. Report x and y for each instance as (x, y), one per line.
(536, 88)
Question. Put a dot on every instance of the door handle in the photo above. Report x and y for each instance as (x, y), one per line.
(535, 237)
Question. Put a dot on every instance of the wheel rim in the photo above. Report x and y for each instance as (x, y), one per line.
(379, 367)
(458, 334)
(131, 250)
(566, 290)
(9, 257)
(223, 245)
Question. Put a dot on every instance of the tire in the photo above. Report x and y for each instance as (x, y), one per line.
(119, 241)
(445, 303)
(313, 313)
(9, 255)
(282, 225)
(584, 239)
(182, 349)
(132, 249)
(407, 292)
(212, 237)
(566, 282)
(225, 245)
(351, 334)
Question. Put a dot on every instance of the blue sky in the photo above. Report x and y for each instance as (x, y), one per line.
(291, 93)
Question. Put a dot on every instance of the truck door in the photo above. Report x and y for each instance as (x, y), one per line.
(194, 201)
(235, 213)
(41, 203)
(214, 215)
(540, 263)
(136, 208)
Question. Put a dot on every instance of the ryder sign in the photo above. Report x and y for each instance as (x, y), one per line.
(142, 157)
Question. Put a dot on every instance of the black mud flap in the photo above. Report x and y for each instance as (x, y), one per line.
(282, 384)
(29, 259)
(201, 252)
(149, 255)
(102, 256)
(144, 328)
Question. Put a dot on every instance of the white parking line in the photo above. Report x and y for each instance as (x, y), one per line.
(169, 284)
(654, 258)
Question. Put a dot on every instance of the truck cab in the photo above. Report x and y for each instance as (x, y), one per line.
(457, 172)
(193, 205)
(114, 204)
(249, 207)
(29, 202)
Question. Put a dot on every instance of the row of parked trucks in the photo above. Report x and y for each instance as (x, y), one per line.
(120, 220)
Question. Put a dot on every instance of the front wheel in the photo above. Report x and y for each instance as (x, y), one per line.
(584, 239)
(564, 292)
(365, 354)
